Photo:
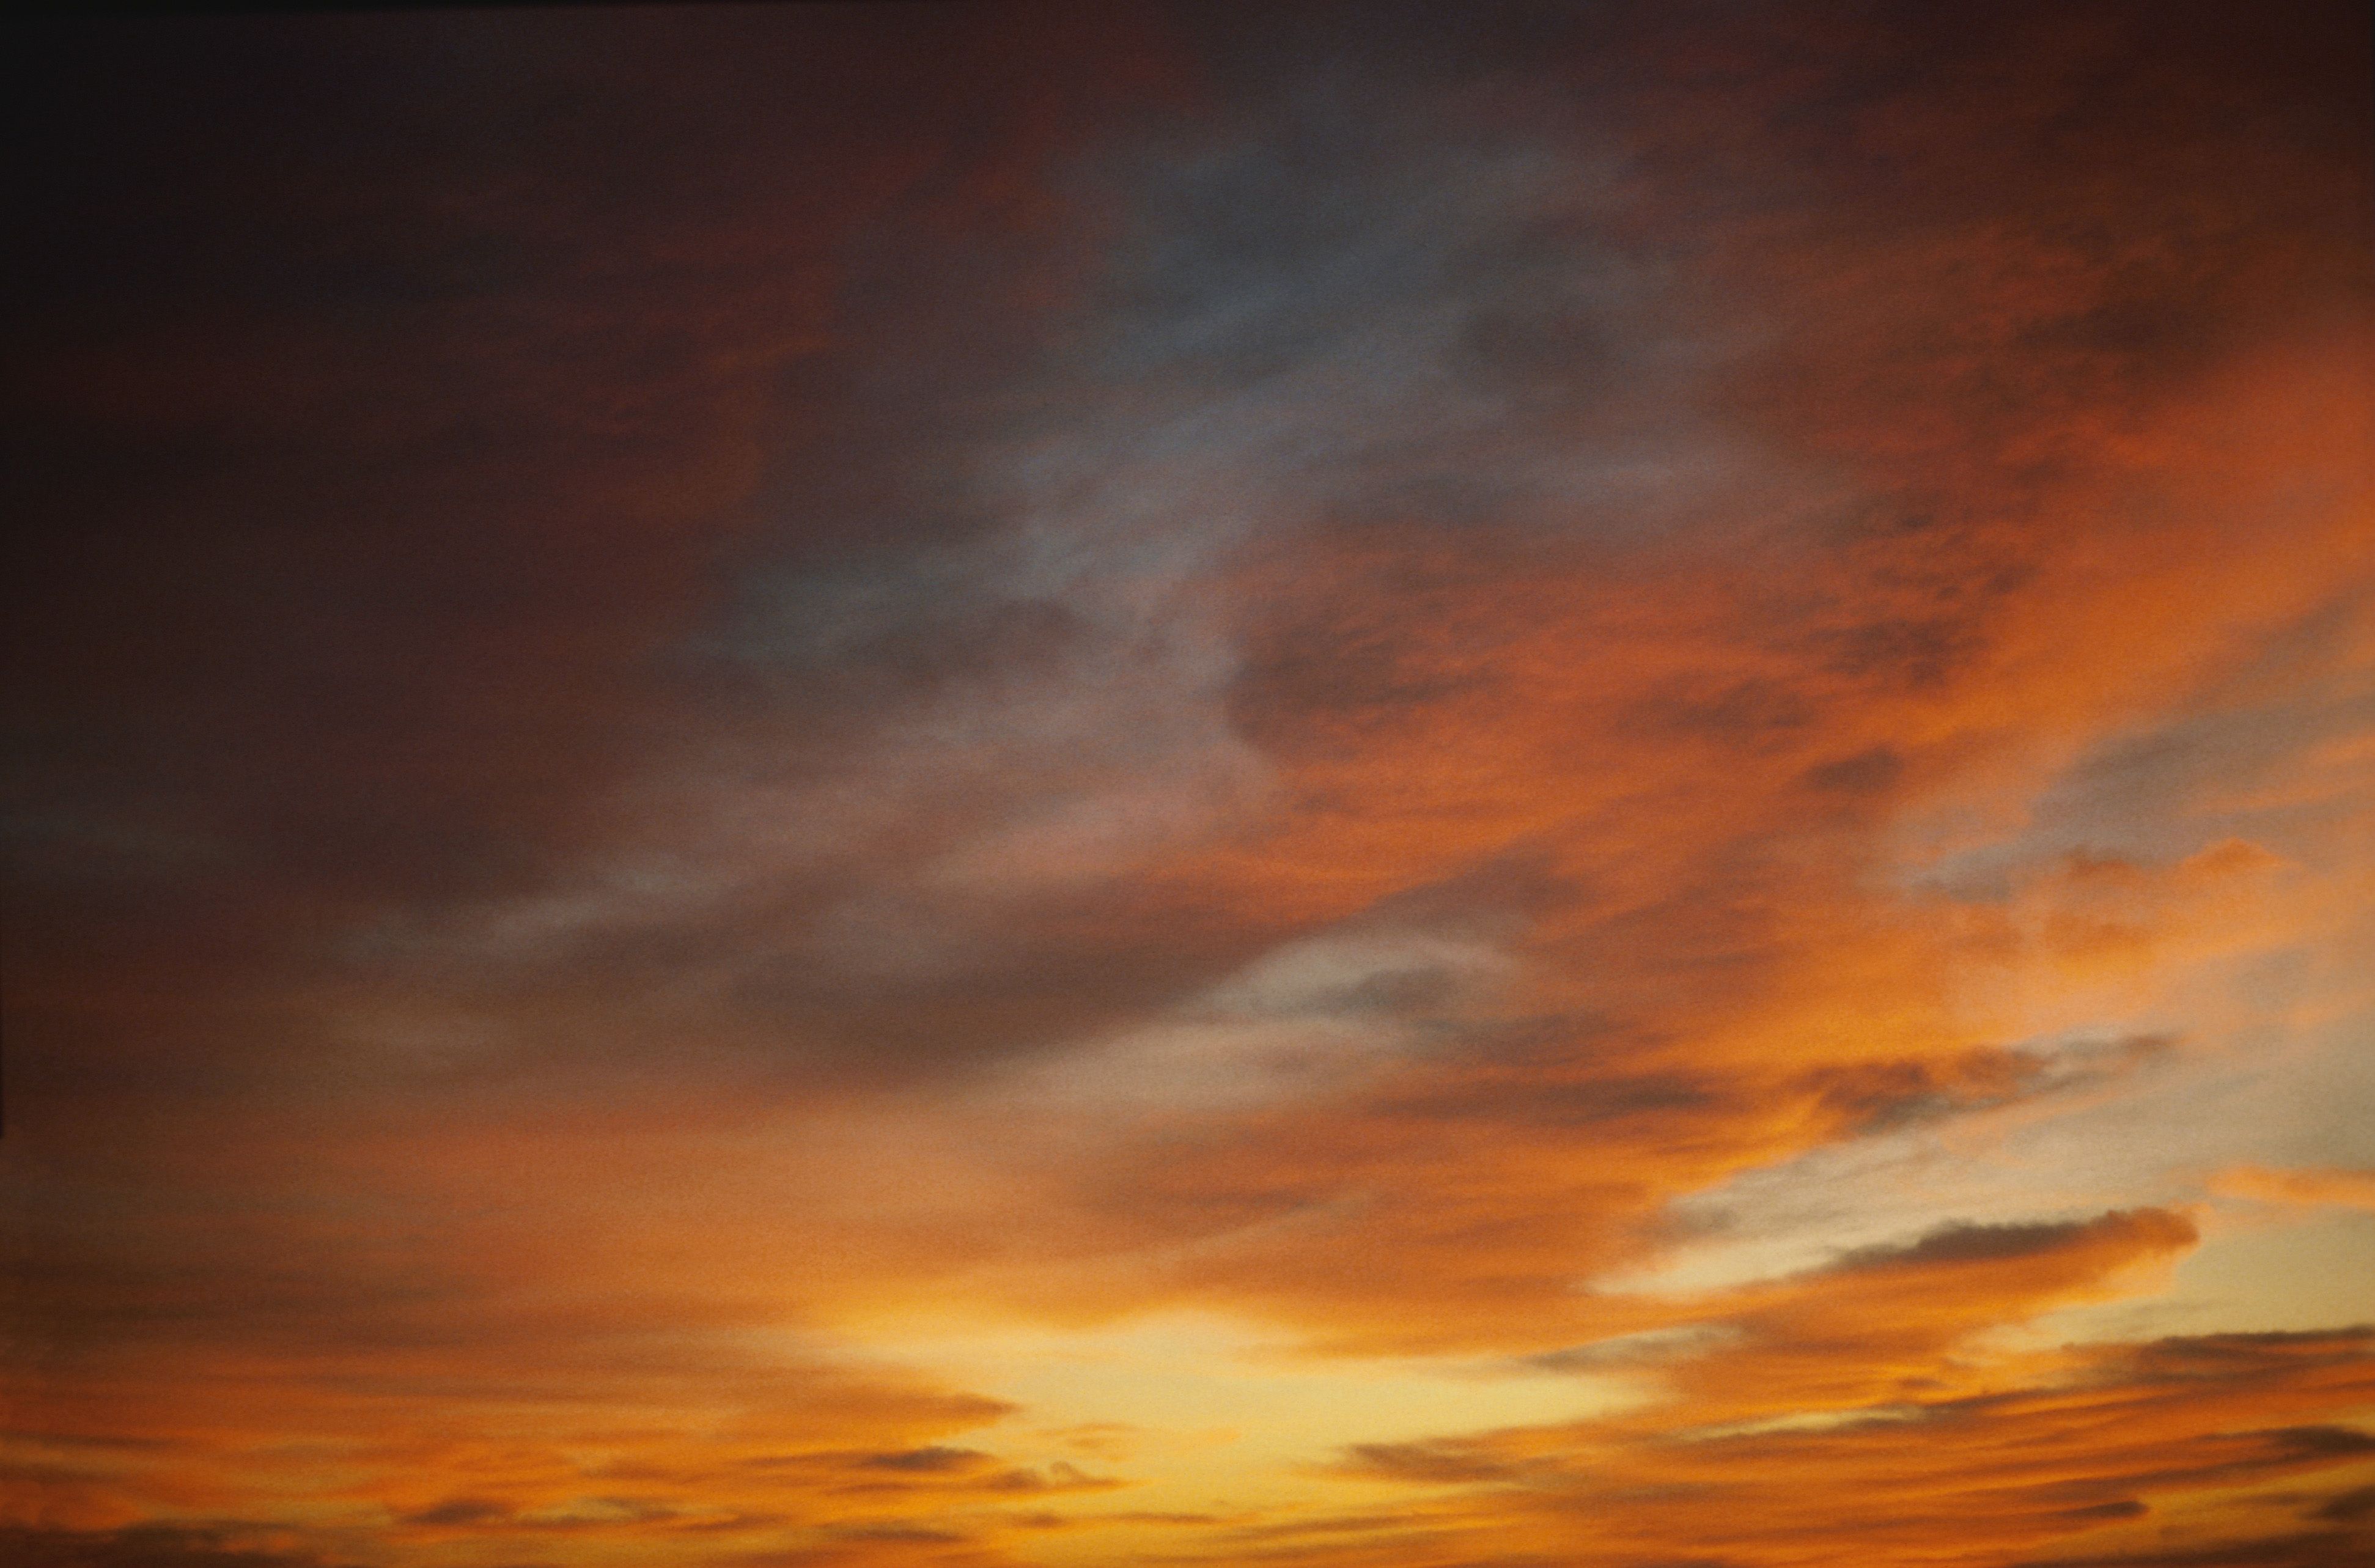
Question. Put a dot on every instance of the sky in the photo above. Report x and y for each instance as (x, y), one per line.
(1516, 786)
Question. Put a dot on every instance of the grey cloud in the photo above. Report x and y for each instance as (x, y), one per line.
(1031, 679)
(930, 1461)
(1648, 1347)
(1962, 1242)
(2252, 752)
(1433, 316)
(1878, 1098)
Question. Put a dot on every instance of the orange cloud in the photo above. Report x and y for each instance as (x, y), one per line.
(2348, 1189)
(2212, 1448)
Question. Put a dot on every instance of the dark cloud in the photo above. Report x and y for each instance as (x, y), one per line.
(1423, 1462)
(2220, 1356)
(920, 1533)
(2347, 1507)
(932, 1461)
(1960, 1243)
(1873, 1096)
(152, 1546)
(461, 1511)
(1871, 770)
(2317, 1549)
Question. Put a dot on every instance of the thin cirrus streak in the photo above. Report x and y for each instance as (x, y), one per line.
(850, 786)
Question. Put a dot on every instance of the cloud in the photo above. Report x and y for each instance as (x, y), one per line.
(2106, 1438)
(2349, 1189)
(1992, 1243)
(155, 1546)
(460, 1511)
(1653, 717)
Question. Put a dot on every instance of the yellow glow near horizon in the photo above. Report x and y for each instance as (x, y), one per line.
(1197, 1413)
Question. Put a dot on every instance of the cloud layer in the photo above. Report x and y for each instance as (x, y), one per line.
(921, 785)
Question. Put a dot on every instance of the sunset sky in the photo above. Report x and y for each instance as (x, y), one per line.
(1472, 785)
